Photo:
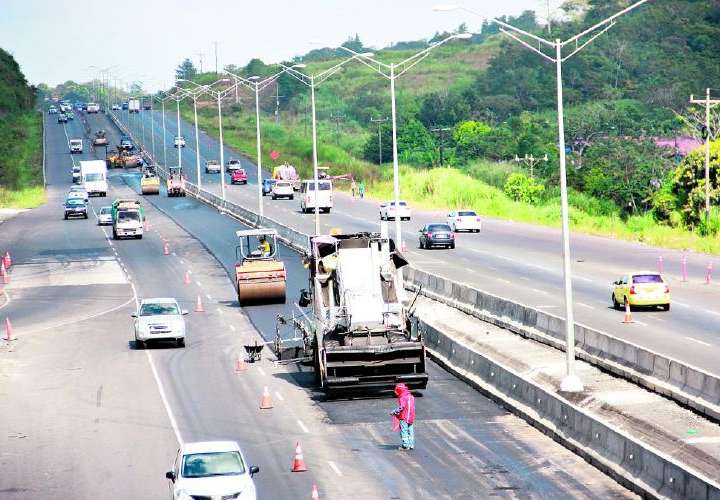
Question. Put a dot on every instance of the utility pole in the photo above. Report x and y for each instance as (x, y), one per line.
(337, 118)
(441, 132)
(379, 121)
(709, 104)
(277, 101)
(216, 57)
(531, 161)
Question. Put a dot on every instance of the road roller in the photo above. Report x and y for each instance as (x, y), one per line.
(149, 182)
(259, 276)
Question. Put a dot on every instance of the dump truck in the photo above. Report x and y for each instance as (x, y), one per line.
(149, 182)
(100, 139)
(126, 204)
(286, 172)
(260, 277)
(360, 333)
(175, 182)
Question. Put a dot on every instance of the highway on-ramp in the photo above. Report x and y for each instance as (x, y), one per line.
(517, 261)
(87, 415)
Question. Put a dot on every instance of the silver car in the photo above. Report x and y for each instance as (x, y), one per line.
(104, 216)
(159, 319)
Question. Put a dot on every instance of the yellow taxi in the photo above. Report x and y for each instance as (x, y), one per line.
(644, 288)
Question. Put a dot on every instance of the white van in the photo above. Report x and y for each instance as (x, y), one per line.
(75, 146)
(324, 196)
(94, 176)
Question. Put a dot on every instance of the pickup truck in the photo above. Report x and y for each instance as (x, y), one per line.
(212, 167)
(180, 141)
(75, 146)
(232, 165)
(100, 138)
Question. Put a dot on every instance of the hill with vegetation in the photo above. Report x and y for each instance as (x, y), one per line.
(20, 138)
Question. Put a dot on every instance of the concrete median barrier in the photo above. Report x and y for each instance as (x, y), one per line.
(629, 460)
(685, 384)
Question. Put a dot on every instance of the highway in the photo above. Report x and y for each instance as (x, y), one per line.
(517, 261)
(86, 415)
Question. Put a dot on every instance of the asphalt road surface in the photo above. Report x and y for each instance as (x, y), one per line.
(87, 415)
(518, 261)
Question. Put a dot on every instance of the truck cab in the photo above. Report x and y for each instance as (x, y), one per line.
(76, 146)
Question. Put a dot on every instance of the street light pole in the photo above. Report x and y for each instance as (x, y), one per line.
(571, 382)
(164, 138)
(316, 184)
(197, 147)
(396, 163)
(222, 147)
(179, 147)
(259, 149)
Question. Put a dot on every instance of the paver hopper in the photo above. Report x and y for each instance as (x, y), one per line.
(259, 276)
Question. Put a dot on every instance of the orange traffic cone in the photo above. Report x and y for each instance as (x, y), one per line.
(148, 226)
(199, 306)
(166, 248)
(187, 278)
(4, 276)
(298, 462)
(241, 366)
(315, 495)
(7, 260)
(9, 330)
(628, 313)
(403, 246)
(265, 402)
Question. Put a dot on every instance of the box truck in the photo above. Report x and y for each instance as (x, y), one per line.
(94, 177)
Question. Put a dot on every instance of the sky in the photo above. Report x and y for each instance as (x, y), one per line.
(145, 40)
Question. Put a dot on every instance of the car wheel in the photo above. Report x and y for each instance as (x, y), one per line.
(615, 303)
(86, 216)
(139, 344)
(452, 246)
(274, 197)
(454, 228)
(666, 307)
(66, 217)
(180, 342)
(115, 236)
(292, 197)
(422, 246)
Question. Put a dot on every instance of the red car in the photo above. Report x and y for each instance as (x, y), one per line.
(238, 176)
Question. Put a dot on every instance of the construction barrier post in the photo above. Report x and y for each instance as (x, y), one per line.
(683, 268)
(660, 264)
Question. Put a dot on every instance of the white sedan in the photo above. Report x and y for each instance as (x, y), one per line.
(104, 216)
(282, 189)
(389, 211)
(159, 319)
(180, 142)
(464, 220)
(211, 469)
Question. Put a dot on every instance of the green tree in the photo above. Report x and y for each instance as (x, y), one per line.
(689, 183)
(520, 187)
(416, 145)
(186, 70)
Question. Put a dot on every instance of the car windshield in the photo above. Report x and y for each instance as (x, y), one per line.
(282, 184)
(105, 211)
(212, 162)
(324, 186)
(128, 216)
(159, 309)
(226, 463)
(438, 227)
(94, 177)
(75, 201)
(401, 204)
(467, 213)
(647, 278)
(240, 172)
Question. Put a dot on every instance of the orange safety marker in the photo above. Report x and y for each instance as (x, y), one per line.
(266, 402)
(187, 278)
(4, 275)
(628, 313)
(9, 335)
(7, 260)
(298, 462)
(199, 305)
(241, 366)
(315, 495)
(166, 248)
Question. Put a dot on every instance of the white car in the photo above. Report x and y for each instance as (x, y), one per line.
(104, 216)
(76, 176)
(159, 319)
(180, 142)
(232, 165)
(212, 167)
(116, 107)
(77, 193)
(53, 110)
(211, 470)
(282, 189)
(308, 196)
(388, 211)
(93, 107)
(464, 220)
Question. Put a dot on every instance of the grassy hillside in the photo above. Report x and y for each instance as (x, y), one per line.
(20, 139)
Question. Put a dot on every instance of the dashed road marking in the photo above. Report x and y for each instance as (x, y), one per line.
(198, 284)
(585, 305)
(335, 468)
(537, 290)
(699, 341)
(209, 297)
(262, 372)
(220, 311)
(503, 280)
(232, 328)
(279, 396)
(302, 426)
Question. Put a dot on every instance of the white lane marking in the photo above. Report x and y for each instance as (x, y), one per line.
(198, 283)
(219, 310)
(7, 298)
(703, 440)
(659, 319)
(640, 323)
(585, 305)
(232, 328)
(302, 426)
(681, 304)
(209, 297)
(708, 311)
(546, 307)
(583, 278)
(699, 342)
(279, 396)
(335, 468)
(524, 278)
(507, 282)
(161, 390)
(537, 290)
(262, 372)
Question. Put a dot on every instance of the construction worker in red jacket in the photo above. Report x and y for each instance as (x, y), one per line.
(405, 414)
